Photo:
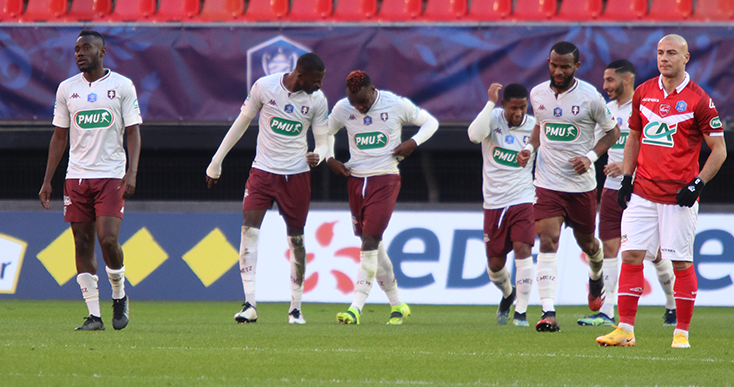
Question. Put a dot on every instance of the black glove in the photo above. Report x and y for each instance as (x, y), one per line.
(625, 191)
(687, 195)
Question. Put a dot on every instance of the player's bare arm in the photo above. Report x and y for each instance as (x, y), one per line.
(613, 169)
(583, 163)
(715, 159)
(534, 143)
(631, 151)
(128, 182)
(338, 167)
(55, 151)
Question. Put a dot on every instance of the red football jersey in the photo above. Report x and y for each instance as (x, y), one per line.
(672, 129)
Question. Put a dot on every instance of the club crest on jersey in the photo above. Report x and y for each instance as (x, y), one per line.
(575, 110)
(371, 140)
(525, 139)
(92, 97)
(664, 109)
(681, 106)
(659, 134)
(368, 120)
(285, 127)
(94, 119)
(509, 139)
(304, 109)
(560, 132)
(111, 94)
(505, 157)
(289, 108)
(557, 112)
(383, 116)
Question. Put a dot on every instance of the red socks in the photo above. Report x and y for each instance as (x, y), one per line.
(685, 289)
(631, 282)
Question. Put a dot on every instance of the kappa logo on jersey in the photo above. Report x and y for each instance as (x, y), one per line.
(681, 106)
(659, 133)
(371, 140)
(575, 110)
(541, 107)
(92, 97)
(509, 139)
(352, 117)
(285, 127)
(664, 109)
(289, 108)
(560, 132)
(304, 109)
(368, 120)
(383, 116)
(650, 100)
(504, 156)
(498, 130)
(621, 141)
(111, 94)
(557, 112)
(94, 119)
(75, 95)
(272, 103)
(715, 123)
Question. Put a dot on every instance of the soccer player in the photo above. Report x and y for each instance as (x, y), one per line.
(671, 115)
(619, 83)
(96, 110)
(374, 121)
(567, 111)
(288, 103)
(509, 223)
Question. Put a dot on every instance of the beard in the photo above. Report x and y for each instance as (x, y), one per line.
(563, 85)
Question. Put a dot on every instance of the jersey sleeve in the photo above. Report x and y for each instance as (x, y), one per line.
(601, 114)
(61, 110)
(407, 111)
(335, 122)
(635, 119)
(253, 103)
(130, 109)
(321, 116)
(707, 117)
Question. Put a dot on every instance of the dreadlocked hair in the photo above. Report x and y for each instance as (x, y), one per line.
(358, 79)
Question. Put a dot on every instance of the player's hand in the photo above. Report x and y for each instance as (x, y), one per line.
(625, 191)
(210, 181)
(688, 195)
(128, 185)
(45, 195)
(613, 169)
(312, 159)
(580, 164)
(405, 148)
(494, 92)
(523, 157)
(338, 167)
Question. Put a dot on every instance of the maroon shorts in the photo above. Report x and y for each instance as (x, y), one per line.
(578, 209)
(372, 200)
(610, 215)
(502, 226)
(86, 199)
(291, 192)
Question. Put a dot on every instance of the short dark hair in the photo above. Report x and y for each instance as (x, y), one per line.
(565, 48)
(358, 79)
(514, 90)
(310, 62)
(622, 66)
(92, 33)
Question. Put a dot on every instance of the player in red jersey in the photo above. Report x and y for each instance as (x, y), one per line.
(671, 115)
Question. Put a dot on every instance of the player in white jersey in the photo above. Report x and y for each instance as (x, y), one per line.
(567, 110)
(619, 83)
(288, 103)
(509, 223)
(374, 121)
(96, 109)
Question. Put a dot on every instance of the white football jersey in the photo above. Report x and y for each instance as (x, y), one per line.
(505, 183)
(615, 154)
(285, 117)
(96, 114)
(567, 122)
(373, 136)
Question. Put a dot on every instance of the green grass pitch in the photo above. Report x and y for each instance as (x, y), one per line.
(199, 344)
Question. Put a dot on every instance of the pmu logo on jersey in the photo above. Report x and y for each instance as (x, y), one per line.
(557, 112)
(285, 127)
(289, 108)
(664, 109)
(621, 141)
(504, 156)
(92, 97)
(659, 134)
(560, 132)
(94, 119)
(276, 55)
(371, 140)
(715, 123)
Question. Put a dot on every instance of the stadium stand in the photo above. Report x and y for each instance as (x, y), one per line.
(662, 10)
(44, 10)
(354, 10)
(220, 10)
(445, 10)
(266, 10)
(310, 10)
(625, 10)
(87, 10)
(10, 9)
(535, 10)
(400, 10)
(713, 10)
(570, 10)
(133, 10)
(489, 10)
(177, 10)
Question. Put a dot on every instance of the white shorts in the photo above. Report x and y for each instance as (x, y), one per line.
(648, 226)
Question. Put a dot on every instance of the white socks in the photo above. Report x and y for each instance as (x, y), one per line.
(88, 284)
(365, 277)
(117, 280)
(627, 327)
(386, 277)
(667, 280)
(546, 278)
(501, 279)
(611, 273)
(523, 283)
(248, 261)
(298, 270)
(596, 262)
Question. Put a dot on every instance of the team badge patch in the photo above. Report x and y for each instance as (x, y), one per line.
(557, 112)
(111, 94)
(92, 97)
(715, 123)
(383, 116)
(575, 110)
(304, 109)
(681, 106)
(619, 121)
(664, 109)
(289, 108)
(509, 139)
(368, 120)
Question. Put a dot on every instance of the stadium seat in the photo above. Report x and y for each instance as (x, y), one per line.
(591, 10)
(662, 10)
(177, 10)
(400, 10)
(310, 10)
(220, 10)
(489, 10)
(445, 10)
(625, 10)
(354, 10)
(44, 10)
(713, 10)
(10, 10)
(133, 10)
(530, 10)
(85, 10)
(266, 10)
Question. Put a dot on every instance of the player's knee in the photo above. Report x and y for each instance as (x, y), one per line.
(370, 242)
(496, 263)
(522, 250)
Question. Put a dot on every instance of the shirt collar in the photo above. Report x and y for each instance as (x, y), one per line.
(678, 88)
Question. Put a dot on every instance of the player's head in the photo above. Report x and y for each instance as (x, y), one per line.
(619, 79)
(672, 55)
(360, 91)
(89, 51)
(563, 62)
(310, 71)
(515, 103)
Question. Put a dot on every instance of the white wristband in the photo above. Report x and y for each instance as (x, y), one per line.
(592, 156)
(529, 147)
